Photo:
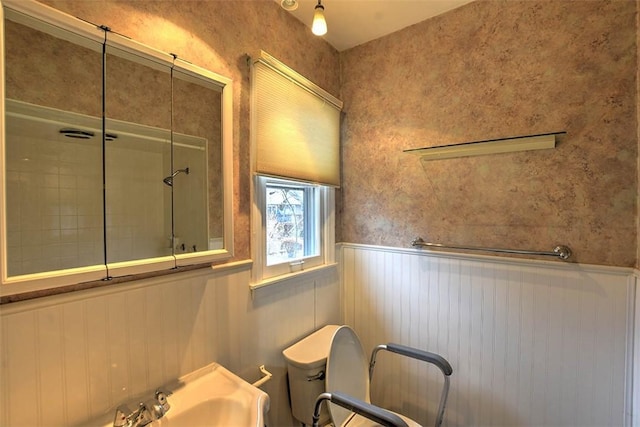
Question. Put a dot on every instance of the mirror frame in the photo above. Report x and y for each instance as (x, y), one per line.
(12, 285)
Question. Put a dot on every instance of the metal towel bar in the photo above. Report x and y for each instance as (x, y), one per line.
(560, 251)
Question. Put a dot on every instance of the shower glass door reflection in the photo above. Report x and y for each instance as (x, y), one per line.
(137, 157)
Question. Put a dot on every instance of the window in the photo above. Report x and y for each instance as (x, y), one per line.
(291, 222)
(295, 159)
(296, 227)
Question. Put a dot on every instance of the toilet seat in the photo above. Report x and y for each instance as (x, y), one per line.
(347, 371)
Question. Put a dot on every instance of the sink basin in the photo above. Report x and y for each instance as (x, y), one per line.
(216, 412)
(212, 396)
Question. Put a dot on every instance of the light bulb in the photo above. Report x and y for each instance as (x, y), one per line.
(319, 26)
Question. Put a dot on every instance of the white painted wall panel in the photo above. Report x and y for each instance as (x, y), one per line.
(71, 358)
(22, 372)
(531, 343)
(50, 373)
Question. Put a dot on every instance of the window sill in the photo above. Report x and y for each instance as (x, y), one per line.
(289, 276)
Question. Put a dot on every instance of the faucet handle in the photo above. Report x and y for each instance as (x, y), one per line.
(162, 394)
(161, 398)
(163, 391)
(141, 416)
(121, 418)
(146, 412)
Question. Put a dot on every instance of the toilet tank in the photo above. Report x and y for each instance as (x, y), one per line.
(306, 363)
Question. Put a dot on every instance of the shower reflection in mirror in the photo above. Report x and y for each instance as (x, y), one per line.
(76, 198)
(169, 180)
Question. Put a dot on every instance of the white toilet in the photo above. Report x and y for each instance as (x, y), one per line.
(306, 365)
(332, 360)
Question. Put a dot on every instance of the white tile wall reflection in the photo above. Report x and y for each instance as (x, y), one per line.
(138, 205)
(54, 194)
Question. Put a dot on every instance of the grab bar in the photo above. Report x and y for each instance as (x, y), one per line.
(379, 415)
(560, 251)
(425, 356)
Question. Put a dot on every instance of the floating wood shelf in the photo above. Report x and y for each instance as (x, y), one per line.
(489, 146)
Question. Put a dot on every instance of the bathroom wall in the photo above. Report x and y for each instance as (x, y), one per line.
(68, 359)
(473, 73)
(495, 69)
(531, 343)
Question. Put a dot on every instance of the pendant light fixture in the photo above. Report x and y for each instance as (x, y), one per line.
(319, 26)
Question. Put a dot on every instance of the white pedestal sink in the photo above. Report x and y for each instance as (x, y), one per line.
(212, 396)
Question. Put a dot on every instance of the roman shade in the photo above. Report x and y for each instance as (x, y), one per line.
(295, 125)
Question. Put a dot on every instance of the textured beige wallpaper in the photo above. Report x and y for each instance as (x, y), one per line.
(494, 69)
(489, 69)
(217, 35)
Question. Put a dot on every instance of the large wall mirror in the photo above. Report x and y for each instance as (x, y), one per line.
(116, 157)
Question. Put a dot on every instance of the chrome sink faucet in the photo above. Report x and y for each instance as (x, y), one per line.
(127, 418)
(146, 412)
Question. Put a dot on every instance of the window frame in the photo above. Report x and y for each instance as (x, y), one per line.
(310, 219)
(264, 274)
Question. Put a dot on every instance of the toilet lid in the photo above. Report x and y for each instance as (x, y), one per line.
(347, 371)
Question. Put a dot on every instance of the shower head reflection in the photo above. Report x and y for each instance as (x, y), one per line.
(169, 180)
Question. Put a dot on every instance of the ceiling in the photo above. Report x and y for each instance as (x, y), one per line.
(353, 22)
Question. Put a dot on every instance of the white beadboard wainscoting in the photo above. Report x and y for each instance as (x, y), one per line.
(532, 343)
(67, 359)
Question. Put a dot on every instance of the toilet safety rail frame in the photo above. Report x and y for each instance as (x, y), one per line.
(561, 251)
(425, 356)
(381, 415)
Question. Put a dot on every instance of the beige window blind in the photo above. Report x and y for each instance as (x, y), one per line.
(295, 124)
